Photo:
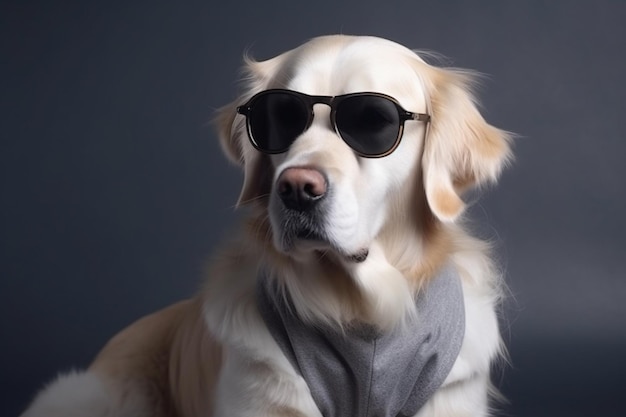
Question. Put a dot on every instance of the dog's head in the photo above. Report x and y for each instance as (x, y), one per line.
(320, 194)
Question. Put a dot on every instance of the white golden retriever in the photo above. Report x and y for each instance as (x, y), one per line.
(353, 289)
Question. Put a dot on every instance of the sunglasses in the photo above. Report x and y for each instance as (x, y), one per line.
(370, 123)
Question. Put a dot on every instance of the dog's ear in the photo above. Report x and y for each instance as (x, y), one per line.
(231, 129)
(257, 167)
(461, 149)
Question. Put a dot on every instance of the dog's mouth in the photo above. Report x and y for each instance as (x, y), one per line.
(358, 257)
(308, 234)
(299, 232)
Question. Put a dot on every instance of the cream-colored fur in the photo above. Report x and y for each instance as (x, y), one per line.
(213, 355)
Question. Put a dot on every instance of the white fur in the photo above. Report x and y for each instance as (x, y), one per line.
(402, 209)
(81, 394)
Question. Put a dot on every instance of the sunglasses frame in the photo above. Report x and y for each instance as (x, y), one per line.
(332, 102)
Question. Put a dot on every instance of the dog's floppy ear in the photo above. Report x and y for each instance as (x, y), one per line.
(461, 148)
(257, 167)
(231, 129)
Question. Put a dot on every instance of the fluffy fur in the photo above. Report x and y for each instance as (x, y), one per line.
(389, 225)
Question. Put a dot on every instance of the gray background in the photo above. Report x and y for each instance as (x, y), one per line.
(114, 191)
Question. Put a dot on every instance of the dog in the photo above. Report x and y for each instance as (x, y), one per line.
(353, 288)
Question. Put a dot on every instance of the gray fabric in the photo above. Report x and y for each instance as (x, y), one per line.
(363, 373)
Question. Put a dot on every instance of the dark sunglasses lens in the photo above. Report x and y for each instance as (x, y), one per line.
(276, 119)
(368, 124)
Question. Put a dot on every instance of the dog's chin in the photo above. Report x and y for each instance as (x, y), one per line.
(306, 241)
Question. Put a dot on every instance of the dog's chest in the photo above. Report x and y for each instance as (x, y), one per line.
(361, 373)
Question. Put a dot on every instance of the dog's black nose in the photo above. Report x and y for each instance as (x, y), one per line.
(300, 188)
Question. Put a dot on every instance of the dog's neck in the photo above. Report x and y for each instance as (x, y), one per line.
(326, 287)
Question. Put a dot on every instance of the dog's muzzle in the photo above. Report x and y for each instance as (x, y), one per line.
(300, 207)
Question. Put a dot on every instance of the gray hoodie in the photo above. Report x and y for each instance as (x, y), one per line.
(361, 372)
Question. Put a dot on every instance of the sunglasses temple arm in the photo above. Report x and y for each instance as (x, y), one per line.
(422, 117)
